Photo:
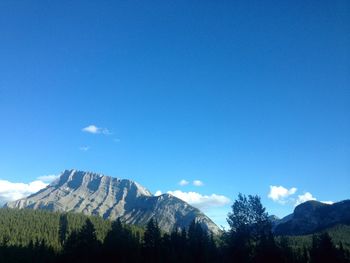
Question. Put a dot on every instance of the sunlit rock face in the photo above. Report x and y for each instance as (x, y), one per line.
(111, 198)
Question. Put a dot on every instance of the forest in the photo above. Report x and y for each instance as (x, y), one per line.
(41, 236)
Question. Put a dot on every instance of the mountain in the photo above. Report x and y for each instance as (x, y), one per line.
(313, 216)
(111, 198)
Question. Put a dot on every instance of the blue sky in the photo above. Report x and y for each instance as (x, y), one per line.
(240, 95)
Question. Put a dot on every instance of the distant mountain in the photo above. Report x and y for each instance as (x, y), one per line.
(313, 216)
(111, 198)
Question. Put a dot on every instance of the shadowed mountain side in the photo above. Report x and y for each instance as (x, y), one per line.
(313, 216)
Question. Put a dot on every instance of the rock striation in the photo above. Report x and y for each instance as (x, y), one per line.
(112, 198)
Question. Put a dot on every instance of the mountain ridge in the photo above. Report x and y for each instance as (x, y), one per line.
(111, 198)
(312, 216)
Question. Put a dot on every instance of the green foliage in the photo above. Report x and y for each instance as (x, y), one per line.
(339, 234)
(22, 227)
(82, 245)
(249, 228)
(44, 237)
(249, 217)
(122, 242)
(250, 239)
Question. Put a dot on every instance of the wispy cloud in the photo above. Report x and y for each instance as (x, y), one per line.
(183, 182)
(48, 178)
(96, 130)
(203, 202)
(281, 194)
(12, 191)
(84, 148)
(197, 183)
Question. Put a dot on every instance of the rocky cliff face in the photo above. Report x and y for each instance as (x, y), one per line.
(111, 198)
(313, 216)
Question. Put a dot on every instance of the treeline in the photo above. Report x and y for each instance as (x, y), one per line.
(37, 236)
(22, 227)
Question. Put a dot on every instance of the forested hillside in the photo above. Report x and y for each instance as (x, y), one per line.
(20, 227)
(339, 234)
(41, 236)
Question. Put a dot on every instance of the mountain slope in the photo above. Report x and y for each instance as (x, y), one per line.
(313, 216)
(110, 198)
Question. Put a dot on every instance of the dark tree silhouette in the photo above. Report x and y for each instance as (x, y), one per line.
(249, 227)
(152, 242)
(121, 244)
(324, 250)
(82, 245)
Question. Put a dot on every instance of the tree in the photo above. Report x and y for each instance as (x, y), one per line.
(63, 228)
(324, 250)
(120, 243)
(249, 216)
(249, 226)
(197, 240)
(152, 242)
(82, 245)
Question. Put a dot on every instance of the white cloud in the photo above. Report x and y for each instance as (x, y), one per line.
(158, 193)
(183, 182)
(84, 148)
(200, 201)
(280, 194)
(303, 198)
(197, 183)
(96, 130)
(12, 191)
(91, 129)
(328, 202)
(48, 178)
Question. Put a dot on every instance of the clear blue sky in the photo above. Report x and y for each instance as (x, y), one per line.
(242, 95)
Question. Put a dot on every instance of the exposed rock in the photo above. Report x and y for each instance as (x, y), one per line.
(111, 198)
(313, 216)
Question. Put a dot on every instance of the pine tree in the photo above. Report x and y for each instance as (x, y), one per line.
(152, 242)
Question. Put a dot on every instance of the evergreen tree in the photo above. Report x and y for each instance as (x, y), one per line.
(324, 250)
(121, 244)
(63, 228)
(152, 242)
(82, 245)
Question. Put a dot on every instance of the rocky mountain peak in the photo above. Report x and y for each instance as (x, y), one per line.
(96, 194)
(75, 179)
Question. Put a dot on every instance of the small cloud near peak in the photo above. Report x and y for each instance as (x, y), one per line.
(197, 183)
(304, 198)
(93, 129)
(183, 182)
(280, 194)
(158, 193)
(328, 202)
(200, 201)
